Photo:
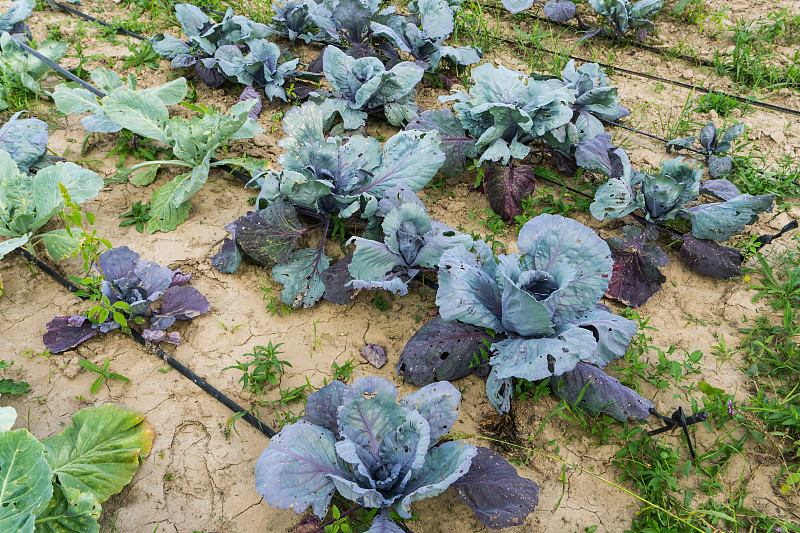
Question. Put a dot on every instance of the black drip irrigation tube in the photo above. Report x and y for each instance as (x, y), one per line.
(609, 37)
(226, 168)
(171, 361)
(93, 19)
(703, 90)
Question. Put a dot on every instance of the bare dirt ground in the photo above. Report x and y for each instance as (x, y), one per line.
(198, 478)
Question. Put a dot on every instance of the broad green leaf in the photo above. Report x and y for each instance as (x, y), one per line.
(68, 511)
(9, 386)
(170, 93)
(144, 176)
(59, 244)
(137, 112)
(24, 480)
(165, 215)
(100, 451)
(74, 100)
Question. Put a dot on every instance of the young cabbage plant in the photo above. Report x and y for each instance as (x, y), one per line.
(505, 109)
(12, 21)
(656, 199)
(203, 39)
(541, 304)
(130, 287)
(412, 243)
(30, 193)
(260, 70)
(193, 141)
(322, 178)
(16, 63)
(362, 86)
(294, 20)
(423, 35)
(712, 142)
(58, 483)
(380, 454)
(595, 102)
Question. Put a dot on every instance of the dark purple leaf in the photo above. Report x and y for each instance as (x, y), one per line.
(300, 91)
(162, 336)
(448, 81)
(603, 394)
(457, 145)
(722, 189)
(251, 94)
(443, 351)
(178, 279)
(374, 354)
(495, 492)
(315, 65)
(180, 303)
(559, 10)
(564, 162)
(65, 332)
(209, 75)
(117, 263)
(309, 524)
(591, 32)
(636, 277)
(335, 278)
(269, 235)
(229, 258)
(322, 407)
(506, 186)
(710, 258)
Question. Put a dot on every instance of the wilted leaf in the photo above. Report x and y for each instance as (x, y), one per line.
(601, 394)
(496, 493)
(374, 354)
(709, 258)
(443, 351)
(506, 186)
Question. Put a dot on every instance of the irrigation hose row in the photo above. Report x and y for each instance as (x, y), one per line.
(608, 37)
(177, 365)
(696, 88)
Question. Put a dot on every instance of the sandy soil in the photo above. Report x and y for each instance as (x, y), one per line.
(197, 478)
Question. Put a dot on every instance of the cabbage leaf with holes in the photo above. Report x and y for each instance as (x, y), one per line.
(543, 301)
(322, 178)
(360, 442)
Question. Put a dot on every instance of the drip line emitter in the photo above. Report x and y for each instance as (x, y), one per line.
(678, 418)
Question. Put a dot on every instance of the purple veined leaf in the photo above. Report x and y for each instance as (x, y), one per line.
(180, 303)
(335, 278)
(270, 235)
(601, 394)
(374, 354)
(636, 277)
(156, 336)
(250, 93)
(710, 258)
(66, 332)
(506, 186)
(443, 351)
(496, 493)
(117, 263)
(322, 407)
(457, 145)
(559, 10)
(721, 188)
(179, 279)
